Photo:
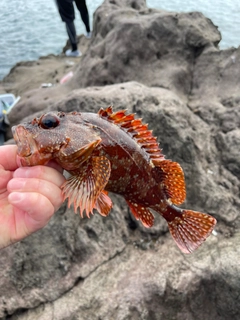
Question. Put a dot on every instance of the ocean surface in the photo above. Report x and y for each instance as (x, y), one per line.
(32, 28)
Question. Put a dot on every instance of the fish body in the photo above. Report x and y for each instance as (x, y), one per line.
(113, 151)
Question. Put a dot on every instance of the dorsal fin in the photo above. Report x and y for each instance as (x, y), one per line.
(136, 129)
(171, 175)
(166, 172)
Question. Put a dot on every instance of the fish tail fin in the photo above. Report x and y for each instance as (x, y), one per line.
(189, 228)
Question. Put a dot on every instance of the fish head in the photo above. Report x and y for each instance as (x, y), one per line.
(64, 137)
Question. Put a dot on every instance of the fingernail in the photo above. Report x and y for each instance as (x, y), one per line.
(15, 197)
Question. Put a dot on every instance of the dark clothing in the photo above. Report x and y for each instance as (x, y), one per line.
(82, 7)
(72, 35)
(66, 11)
(67, 14)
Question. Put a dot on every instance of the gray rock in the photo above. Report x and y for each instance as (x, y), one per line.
(154, 47)
(129, 42)
(159, 283)
(114, 268)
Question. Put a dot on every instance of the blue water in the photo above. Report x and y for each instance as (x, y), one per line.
(32, 28)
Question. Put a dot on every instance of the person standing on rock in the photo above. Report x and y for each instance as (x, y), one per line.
(67, 14)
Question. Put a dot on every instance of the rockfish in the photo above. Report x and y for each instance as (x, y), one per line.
(113, 151)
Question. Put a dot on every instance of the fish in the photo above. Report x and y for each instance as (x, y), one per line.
(113, 152)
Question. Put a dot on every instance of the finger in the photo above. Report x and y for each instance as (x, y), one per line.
(8, 157)
(46, 188)
(5, 176)
(55, 165)
(31, 203)
(42, 173)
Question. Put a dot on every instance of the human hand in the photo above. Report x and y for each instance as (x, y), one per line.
(29, 196)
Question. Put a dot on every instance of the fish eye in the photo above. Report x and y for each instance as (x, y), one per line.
(49, 121)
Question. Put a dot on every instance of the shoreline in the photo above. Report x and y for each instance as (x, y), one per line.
(29, 75)
(176, 79)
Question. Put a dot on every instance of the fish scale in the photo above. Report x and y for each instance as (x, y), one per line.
(113, 151)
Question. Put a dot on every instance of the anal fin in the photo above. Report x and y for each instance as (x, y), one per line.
(141, 213)
(190, 228)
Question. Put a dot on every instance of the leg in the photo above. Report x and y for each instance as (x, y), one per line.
(82, 7)
(66, 10)
(71, 31)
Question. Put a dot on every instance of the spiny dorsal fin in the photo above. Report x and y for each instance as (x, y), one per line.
(166, 172)
(136, 129)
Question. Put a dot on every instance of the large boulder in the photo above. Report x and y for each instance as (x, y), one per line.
(154, 47)
(167, 68)
(114, 268)
(129, 42)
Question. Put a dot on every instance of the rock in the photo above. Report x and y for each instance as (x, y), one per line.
(139, 284)
(177, 80)
(154, 47)
(215, 98)
(26, 78)
(114, 268)
(164, 55)
(29, 75)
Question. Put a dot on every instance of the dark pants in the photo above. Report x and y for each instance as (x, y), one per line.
(66, 11)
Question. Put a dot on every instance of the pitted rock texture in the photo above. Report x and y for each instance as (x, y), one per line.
(167, 68)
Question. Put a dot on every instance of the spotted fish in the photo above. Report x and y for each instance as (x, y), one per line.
(113, 151)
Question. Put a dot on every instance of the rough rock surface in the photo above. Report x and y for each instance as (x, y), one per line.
(130, 42)
(114, 268)
(154, 47)
(29, 75)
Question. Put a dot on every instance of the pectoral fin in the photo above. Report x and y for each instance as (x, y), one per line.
(86, 185)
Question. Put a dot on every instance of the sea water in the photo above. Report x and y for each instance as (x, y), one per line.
(33, 28)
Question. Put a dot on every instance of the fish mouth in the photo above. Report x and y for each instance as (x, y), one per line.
(28, 152)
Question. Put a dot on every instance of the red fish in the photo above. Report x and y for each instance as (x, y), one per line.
(113, 152)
